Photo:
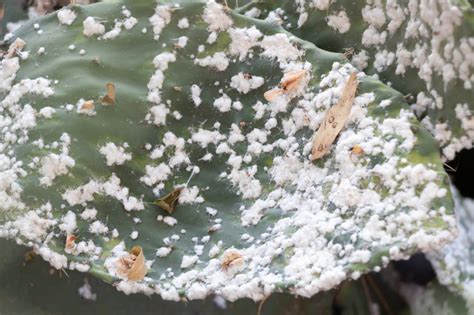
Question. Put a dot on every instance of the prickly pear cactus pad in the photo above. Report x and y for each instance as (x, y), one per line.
(424, 48)
(454, 264)
(131, 126)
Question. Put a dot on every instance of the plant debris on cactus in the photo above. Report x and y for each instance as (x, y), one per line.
(253, 214)
(425, 49)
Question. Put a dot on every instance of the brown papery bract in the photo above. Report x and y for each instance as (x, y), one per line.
(168, 202)
(291, 80)
(231, 258)
(88, 105)
(288, 84)
(334, 120)
(70, 242)
(109, 98)
(15, 47)
(132, 266)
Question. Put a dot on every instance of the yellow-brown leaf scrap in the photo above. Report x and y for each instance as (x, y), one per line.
(109, 98)
(88, 106)
(232, 258)
(70, 242)
(132, 266)
(168, 202)
(15, 47)
(288, 84)
(334, 120)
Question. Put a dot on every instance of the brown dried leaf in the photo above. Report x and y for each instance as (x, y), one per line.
(168, 202)
(334, 120)
(88, 105)
(132, 266)
(15, 47)
(288, 83)
(232, 258)
(291, 80)
(271, 95)
(70, 242)
(109, 98)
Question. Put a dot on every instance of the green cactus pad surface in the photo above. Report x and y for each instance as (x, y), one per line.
(424, 49)
(454, 264)
(254, 214)
(11, 12)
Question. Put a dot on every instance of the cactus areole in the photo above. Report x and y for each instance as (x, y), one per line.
(139, 138)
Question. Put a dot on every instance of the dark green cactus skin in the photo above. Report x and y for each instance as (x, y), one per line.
(30, 287)
(317, 31)
(127, 62)
(12, 12)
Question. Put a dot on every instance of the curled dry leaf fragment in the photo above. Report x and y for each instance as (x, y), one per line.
(168, 202)
(271, 95)
(88, 106)
(334, 120)
(132, 265)
(15, 47)
(232, 258)
(109, 98)
(70, 242)
(288, 84)
(291, 80)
